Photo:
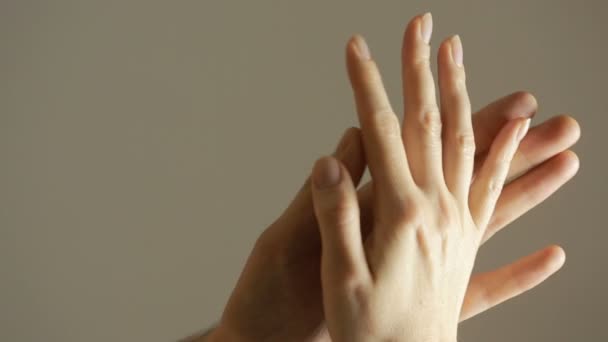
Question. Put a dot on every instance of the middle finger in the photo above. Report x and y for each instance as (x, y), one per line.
(421, 121)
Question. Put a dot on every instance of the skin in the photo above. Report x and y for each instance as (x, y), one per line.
(407, 279)
(278, 296)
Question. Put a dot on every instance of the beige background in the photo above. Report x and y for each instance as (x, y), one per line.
(144, 146)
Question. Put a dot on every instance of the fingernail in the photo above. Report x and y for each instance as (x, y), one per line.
(523, 129)
(426, 27)
(362, 48)
(457, 50)
(326, 173)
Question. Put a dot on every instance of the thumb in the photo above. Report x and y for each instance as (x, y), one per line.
(299, 213)
(337, 212)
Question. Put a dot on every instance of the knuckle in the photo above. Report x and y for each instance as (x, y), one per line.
(455, 84)
(494, 187)
(454, 87)
(503, 162)
(386, 121)
(465, 143)
(408, 215)
(349, 280)
(446, 216)
(359, 292)
(431, 122)
(340, 213)
(421, 62)
(459, 80)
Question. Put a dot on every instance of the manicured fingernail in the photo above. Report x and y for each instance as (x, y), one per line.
(426, 27)
(457, 50)
(326, 173)
(362, 48)
(523, 129)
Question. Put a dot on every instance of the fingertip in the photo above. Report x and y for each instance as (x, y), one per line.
(517, 128)
(415, 27)
(326, 172)
(456, 50)
(358, 47)
(426, 27)
(356, 141)
(345, 141)
(412, 24)
(356, 132)
(523, 129)
(569, 128)
(556, 255)
(443, 53)
(352, 53)
(524, 104)
(520, 104)
(352, 155)
(569, 162)
(350, 44)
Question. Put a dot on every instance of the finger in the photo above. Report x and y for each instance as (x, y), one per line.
(489, 120)
(489, 289)
(379, 126)
(421, 121)
(297, 223)
(366, 212)
(490, 180)
(543, 142)
(529, 190)
(336, 209)
(352, 155)
(517, 197)
(458, 140)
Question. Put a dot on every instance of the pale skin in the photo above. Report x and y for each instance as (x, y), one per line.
(279, 295)
(407, 279)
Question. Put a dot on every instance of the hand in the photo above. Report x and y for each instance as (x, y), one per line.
(278, 296)
(407, 280)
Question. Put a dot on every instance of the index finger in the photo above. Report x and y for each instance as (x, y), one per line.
(488, 121)
(380, 126)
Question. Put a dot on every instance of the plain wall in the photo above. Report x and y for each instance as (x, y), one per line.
(145, 145)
